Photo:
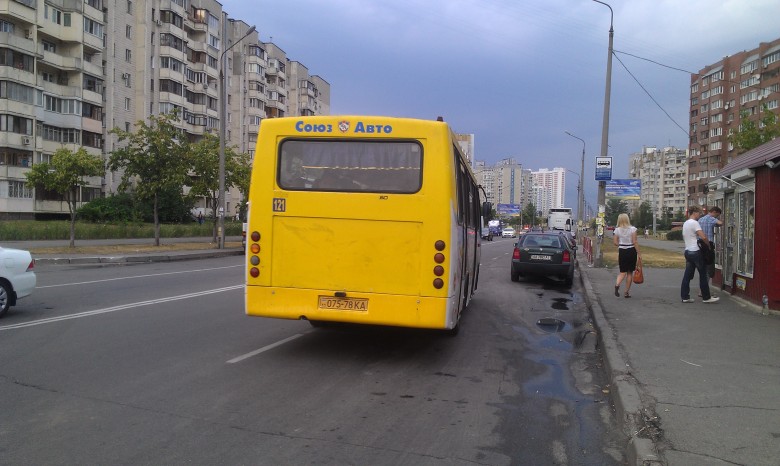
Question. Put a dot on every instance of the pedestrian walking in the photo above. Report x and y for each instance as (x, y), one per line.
(647, 232)
(694, 259)
(624, 237)
(200, 218)
(708, 224)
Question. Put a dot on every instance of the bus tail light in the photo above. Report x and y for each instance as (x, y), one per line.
(254, 259)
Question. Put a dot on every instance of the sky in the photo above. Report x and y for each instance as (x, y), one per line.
(518, 74)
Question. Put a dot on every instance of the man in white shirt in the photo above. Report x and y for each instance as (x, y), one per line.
(694, 260)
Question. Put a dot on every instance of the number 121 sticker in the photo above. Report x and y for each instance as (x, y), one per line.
(279, 204)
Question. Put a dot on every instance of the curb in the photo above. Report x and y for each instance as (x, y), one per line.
(624, 393)
(137, 259)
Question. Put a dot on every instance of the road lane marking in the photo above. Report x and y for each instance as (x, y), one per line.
(121, 307)
(264, 349)
(138, 276)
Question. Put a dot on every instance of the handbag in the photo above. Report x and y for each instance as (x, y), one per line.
(639, 277)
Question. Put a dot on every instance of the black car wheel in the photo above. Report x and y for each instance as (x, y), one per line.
(515, 275)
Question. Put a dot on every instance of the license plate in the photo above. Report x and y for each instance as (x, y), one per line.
(537, 257)
(343, 304)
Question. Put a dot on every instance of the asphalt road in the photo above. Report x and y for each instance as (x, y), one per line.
(157, 364)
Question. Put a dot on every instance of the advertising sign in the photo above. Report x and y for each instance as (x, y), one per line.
(508, 210)
(603, 168)
(626, 190)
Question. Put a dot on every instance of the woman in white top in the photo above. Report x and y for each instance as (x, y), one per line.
(628, 249)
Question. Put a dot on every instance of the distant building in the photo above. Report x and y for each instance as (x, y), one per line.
(719, 92)
(664, 176)
(506, 182)
(552, 189)
(466, 143)
(75, 70)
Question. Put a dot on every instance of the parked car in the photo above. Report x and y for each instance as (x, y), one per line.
(545, 254)
(508, 232)
(17, 278)
(487, 234)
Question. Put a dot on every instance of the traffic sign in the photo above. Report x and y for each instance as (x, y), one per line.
(603, 168)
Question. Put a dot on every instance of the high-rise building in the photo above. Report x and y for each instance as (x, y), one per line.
(552, 189)
(506, 182)
(466, 143)
(71, 71)
(664, 176)
(742, 82)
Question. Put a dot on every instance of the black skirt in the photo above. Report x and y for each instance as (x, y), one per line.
(627, 259)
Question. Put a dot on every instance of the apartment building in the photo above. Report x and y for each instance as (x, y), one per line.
(506, 182)
(742, 82)
(71, 70)
(664, 176)
(551, 192)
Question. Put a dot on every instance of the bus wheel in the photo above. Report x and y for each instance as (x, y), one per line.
(318, 323)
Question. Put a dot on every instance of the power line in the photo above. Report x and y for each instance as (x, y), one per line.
(651, 96)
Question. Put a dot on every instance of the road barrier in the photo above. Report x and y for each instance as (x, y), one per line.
(587, 248)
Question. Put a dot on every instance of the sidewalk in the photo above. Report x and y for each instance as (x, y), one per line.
(694, 384)
(120, 258)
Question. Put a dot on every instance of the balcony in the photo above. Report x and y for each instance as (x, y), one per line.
(60, 62)
(93, 42)
(24, 10)
(91, 68)
(20, 43)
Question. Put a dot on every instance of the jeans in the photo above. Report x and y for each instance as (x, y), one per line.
(694, 260)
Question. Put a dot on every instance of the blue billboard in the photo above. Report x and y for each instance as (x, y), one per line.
(627, 190)
(508, 210)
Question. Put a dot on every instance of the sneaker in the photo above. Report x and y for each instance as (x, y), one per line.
(713, 299)
(689, 300)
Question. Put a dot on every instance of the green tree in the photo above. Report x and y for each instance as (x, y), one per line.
(205, 165)
(65, 175)
(529, 214)
(644, 215)
(153, 161)
(614, 208)
(752, 134)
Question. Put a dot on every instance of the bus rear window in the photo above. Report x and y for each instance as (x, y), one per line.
(350, 166)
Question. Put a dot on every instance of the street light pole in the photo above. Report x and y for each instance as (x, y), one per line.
(222, 124)
(581, 186)
(598, 255)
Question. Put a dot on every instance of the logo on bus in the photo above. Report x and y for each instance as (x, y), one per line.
(343, 126)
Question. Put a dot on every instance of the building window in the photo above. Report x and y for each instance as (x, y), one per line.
(129, 7)
(127, 103)
(5, 26)
(213, 41)
(93, 27)
(128, 55)
(128, 30)
(771, 58)
(19, 190)
(747, 227)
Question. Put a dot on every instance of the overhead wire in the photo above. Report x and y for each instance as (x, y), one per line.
(649, 94)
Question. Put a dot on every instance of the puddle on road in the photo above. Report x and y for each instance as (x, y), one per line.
(561, 304)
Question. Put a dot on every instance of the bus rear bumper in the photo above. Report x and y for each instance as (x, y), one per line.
(381, 309)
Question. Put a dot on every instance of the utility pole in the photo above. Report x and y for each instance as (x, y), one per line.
(598, 258)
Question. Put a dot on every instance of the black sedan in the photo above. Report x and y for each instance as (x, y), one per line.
(543, 254)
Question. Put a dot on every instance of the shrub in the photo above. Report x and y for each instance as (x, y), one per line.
(674, 235)
(117, 208)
